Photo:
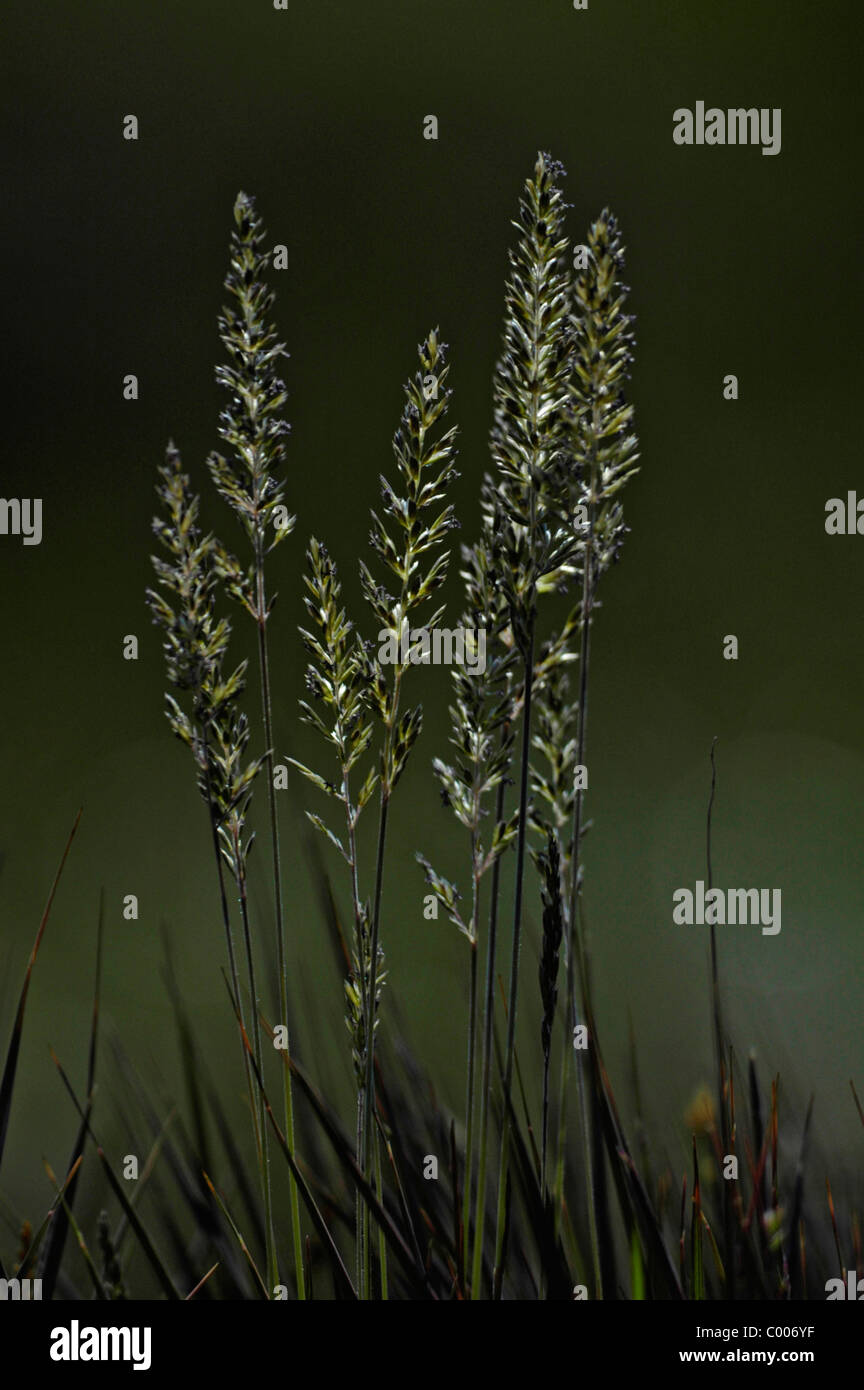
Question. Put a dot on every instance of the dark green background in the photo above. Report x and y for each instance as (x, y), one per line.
(114, 255)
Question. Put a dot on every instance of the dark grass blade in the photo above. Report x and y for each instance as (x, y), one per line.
(60, 1225)
(631, 1190)
(841, 1263)
(201, 1282)
(458, 1233)
(223, 1207)
(188, 1055)
(238, 1167)
(608, 1266)
(498, 1272)
(540, 1216)
(758, 1123)
(796, 1268)
(400, 1188)
(164, 1278)
(715, 1251)
(641, 1139)
(186, 1175)
(753, 1268)
(410, 1112)
(98, 1286)
(176, 1238)
(343, 1279)
(7, 1085)
(592, 1104)
(34, 1247)
(146, 1174)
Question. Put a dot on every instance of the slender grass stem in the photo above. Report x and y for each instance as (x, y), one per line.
(359, 1204)
(281, 955)
(575, 846)
(382, 1239)
(471, 1071)
(229, 938)
(563, 1077)
(266, 1181)
(369, 1094)
(486, 1061)
(514, 961)
(588, 592)
(544, 1127)
(588, 1160)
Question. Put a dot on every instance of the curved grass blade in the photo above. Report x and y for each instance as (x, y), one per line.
(98, 1286)
(8, 1083)
(144, 1240)
(400, 1188)
(35, 1244)
(185, 1168)
(715, 1251)
(239, 1237)
(57, 1239)
(556, 1275)
(795, 1261)
(201, 1282)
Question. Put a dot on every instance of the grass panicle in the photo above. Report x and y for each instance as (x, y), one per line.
(337, 679)
(248, 478)
(604, 449)
(535, 539)
(409, 545)
(213, 726)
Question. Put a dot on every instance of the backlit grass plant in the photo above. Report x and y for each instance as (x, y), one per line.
(532, 1187)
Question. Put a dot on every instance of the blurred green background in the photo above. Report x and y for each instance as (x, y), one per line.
(114, 257)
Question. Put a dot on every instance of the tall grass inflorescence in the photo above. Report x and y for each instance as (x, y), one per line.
(534, 537)
(247, 478)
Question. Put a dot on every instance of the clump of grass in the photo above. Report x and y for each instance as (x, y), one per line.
(572, 1204)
